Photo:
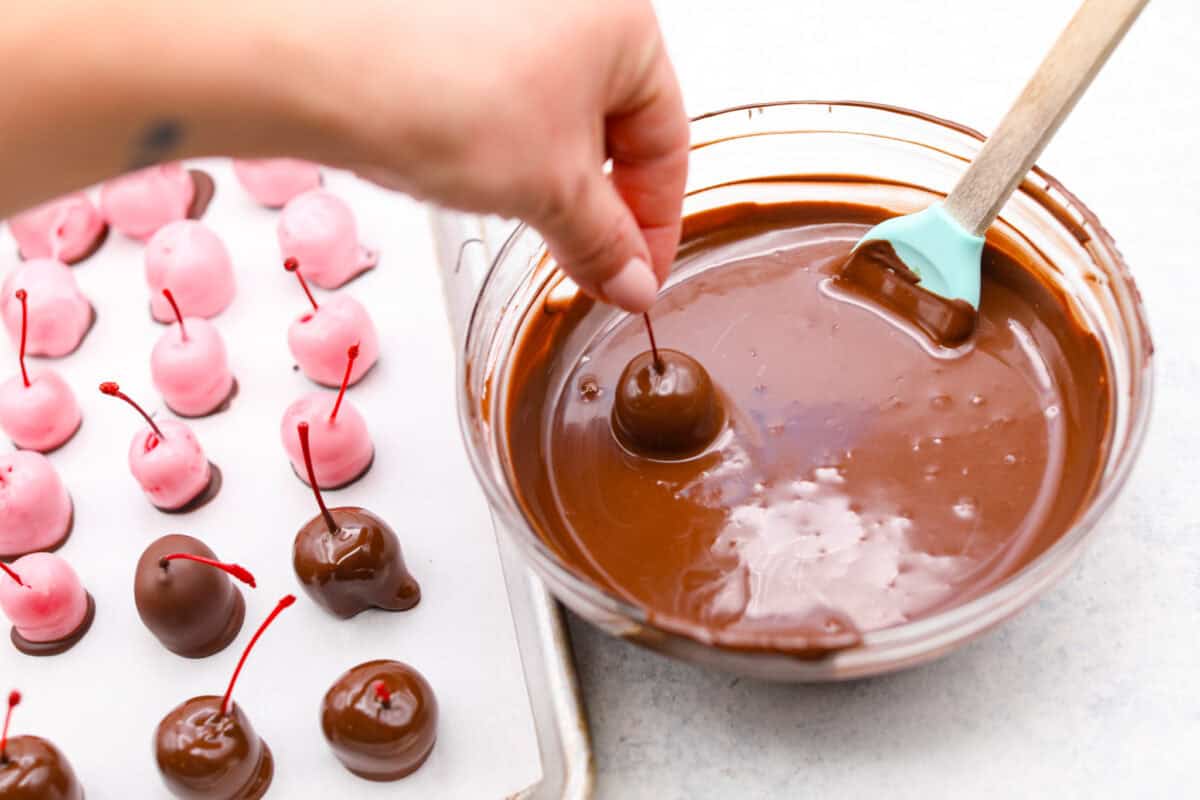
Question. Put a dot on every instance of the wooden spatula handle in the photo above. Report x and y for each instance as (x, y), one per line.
(1081, 50)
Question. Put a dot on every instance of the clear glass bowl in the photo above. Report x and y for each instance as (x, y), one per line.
(924, 156)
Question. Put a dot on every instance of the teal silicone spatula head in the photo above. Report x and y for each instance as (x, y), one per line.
(943, 255)
(942, 245)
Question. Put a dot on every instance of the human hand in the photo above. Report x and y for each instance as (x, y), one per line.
(512, 108)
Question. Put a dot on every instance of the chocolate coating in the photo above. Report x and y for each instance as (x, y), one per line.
(376, 740)
(865, 478)
(666, 410)
(360, 567)
(194, 609)
(34, 769)
(206, 755)
(205, 188)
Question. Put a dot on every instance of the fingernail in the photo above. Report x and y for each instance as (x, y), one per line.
(633, 288)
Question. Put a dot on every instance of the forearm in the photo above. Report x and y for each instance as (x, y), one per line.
(101, 88)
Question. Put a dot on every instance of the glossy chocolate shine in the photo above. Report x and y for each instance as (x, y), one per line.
(206, 755)
(356, 567)
(375, 738)
(866, 477)
(666, 408)
(34, 769)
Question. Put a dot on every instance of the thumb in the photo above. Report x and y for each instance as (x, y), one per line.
(596, 241)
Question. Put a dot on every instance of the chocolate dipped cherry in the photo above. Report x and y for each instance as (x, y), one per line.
(68, 229)
(666, 405)
(190, 367)
(342, 451)
(207, 748)
(167, 461)
(54, 317)
(348, 559)
(272, 182)
(38, 410)
(36, 513)
(318, 339)
(188, 258)
(139, 203)
(380, 718)
(318, 229)
(185, 597)
(31, 768)
(49, 608)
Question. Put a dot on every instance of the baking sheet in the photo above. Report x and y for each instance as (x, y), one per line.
(101, 702)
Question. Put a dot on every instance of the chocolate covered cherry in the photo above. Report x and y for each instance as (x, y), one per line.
(666, 407)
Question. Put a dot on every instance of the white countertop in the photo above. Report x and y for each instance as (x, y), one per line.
(1094, 691)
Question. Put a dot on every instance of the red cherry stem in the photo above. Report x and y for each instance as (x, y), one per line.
(292, 265)
(658, 362)
(14, 699)
(23, 297)
(302, 430)
(9, 571)
(351, 354)
(178, 315)
(236, 570)
(113, 390)
(284, 602)
(382, 694)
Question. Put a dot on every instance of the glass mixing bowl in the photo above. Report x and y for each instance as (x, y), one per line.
(918, 157)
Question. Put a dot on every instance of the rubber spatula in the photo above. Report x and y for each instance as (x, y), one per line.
(942, 245)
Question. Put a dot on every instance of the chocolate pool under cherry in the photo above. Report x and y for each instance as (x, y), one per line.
(865, 477)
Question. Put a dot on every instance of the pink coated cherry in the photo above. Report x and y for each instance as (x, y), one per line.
(139, 203)
(191, 372)
(35, 509)
(41, 416)
(318, 229)
(58, 313)
(319, 339)
(341, 448)
(65, 229)
(171, 468)
(192, 261)
(49, 604)
(272, 182)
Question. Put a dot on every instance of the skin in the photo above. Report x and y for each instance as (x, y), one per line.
(509, 108)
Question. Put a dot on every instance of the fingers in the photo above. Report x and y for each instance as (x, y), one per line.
(648, 144)
(596, 241)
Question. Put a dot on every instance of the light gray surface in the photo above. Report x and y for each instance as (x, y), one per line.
(1094, 691)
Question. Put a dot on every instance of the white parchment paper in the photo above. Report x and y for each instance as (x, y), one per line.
(101, 701)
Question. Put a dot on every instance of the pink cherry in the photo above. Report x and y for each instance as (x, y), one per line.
(35, 509)
(59, 314)
(50, 605)
(191, 371)
(41, 416)
(272, 182)
(319, 339)
(341, 449)
(139, 203)
(190, 260)
(172, 468)
(318, 229)
(64, 228)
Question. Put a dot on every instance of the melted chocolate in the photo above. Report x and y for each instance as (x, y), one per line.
(357, 568)
(866, 477)
(875, 272)
(376, 738)
(222, 406)
(215, 480)
(203, 753)
(10, 557)
(204, 189)
(194, 609)
(34, 769)
(667, 409)
(58, 645)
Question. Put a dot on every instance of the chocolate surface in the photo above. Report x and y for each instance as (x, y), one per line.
(205, 188)
(357, 568)
(204, 754)
(194, 609)
(668, 408)
(866, 478)
(34, 769)
(375, 738)
(58, 645)
(215, 480)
